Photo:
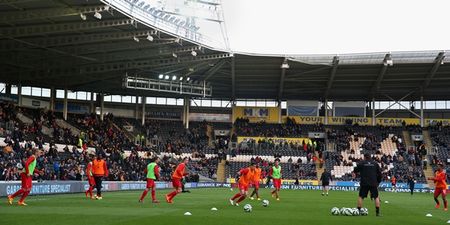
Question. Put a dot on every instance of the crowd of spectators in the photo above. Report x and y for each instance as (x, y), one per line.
(102, 135)
(403, 164)
(243, 127)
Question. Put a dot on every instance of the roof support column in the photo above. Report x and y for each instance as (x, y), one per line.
(422, 121)
(102, 105)
(318, 109)
(326, 112)
(279, 112)
(144, 103)
(233, 79)
(91, 103)
(374, 122)
(19, 94)
(136, 111)
(8, 89)
(65, 104)
(52, 98)
(186, 105)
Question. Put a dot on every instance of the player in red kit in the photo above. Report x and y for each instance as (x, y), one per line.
(245, 178)
(90, 176)
(27, 177)
(275, 173)
(152, 172)
(440, 186)
(177, 176)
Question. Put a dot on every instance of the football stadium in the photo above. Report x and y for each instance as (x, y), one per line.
(143, 112)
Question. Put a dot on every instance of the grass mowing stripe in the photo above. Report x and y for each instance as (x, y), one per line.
(295, 207)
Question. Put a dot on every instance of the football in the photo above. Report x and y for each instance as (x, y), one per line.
(265, 202)
(364, 212)
(348, 212)
(247, 208)
(355, 211)
(335, 211)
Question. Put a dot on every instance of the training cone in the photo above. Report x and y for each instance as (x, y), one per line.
(213, 209)
(429, 215)
(188, 214)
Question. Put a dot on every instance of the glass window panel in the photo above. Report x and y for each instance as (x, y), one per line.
(133, 99)
(88, 96)
(161, 101)
(180, 101)
(271, 103)
(59, 93)
(81, 95)
(206, 103)
(2, 88)
(107, 98)
(150, 100)
(215, 103)
(196, 102)
(14, 89)
(71, 95)
(251, 103)
(226, 104)
(430, 105)
(417, 104)
(384, 105)
(240, 103)
(46, 92)
(283, 104)
(26, 90)
(406, 104)
(171, 101)
(36, 91)
(126, 99)
(440, 104)
(261, 103)
(116, 98)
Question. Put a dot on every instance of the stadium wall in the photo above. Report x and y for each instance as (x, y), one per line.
(364, 121)
(67, 187)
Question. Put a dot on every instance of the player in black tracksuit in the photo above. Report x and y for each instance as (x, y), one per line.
(325, 179)
(411, 183)
(370, 174)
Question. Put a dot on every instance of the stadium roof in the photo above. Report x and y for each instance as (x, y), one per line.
(49, 44)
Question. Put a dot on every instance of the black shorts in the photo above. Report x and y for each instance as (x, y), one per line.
(325, 184)
(364, 190)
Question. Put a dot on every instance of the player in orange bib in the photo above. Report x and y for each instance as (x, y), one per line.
(177, 176)
(245, 178)
(440, 186)
(256, 180)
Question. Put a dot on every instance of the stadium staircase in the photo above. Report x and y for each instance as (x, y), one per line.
(428, 171)
(319, 170)
(328, 144)
(221, 171)
(407, 138)
(210, 135)
(427, 141)
(65, 125)
(127, 133)
(27, 120)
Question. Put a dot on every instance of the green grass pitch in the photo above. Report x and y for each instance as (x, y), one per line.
(295, 207)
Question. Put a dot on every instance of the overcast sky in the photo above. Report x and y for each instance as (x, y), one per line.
(337, 27)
